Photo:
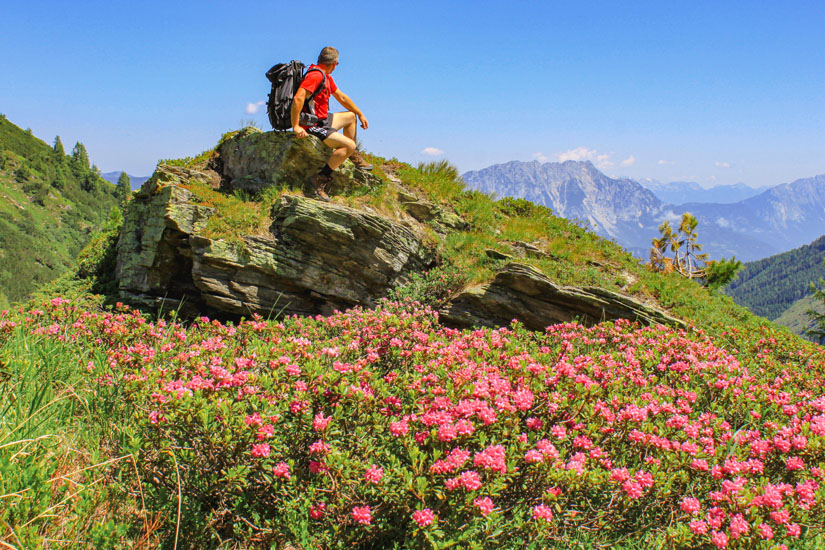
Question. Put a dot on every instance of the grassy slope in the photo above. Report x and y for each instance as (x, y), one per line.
(49, 207)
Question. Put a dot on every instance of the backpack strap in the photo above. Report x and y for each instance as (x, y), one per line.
(310, 102)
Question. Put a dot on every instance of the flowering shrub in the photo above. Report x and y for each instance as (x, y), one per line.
(382, 428)
(432, 288)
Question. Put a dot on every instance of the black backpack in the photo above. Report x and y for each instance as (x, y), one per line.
(286, 78)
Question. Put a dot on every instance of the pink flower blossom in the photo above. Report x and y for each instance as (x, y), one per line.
(281, 470)
(423, 517)
(765, 531)
(632, 489)
(542, 512)
(698, 527)
(720, 540)
(484, 504)
(399, 428)
(316, 511)
(320, 422)
(690, 505)
(260, 450)
(374, 474)
(738, 526)
(470, 480)
(362, 514)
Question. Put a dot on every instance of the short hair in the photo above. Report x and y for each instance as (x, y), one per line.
(328, 56)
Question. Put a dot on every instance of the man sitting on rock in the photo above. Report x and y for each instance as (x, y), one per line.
(326, 129)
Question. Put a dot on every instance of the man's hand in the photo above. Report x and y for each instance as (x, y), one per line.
(300, 133)
(364, 122)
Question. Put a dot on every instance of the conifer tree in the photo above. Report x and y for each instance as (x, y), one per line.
(80, 156)
(58, 147)
(124, 189)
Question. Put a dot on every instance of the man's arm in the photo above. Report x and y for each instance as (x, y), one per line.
(297, 105)
(348, 104)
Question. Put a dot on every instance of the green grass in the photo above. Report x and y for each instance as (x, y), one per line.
(56, 470)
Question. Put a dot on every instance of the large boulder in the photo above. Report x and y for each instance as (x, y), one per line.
(252, 160)
(522, 292)
(315, 258)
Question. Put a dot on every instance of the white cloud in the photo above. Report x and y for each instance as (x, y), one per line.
(252, 108)
(723, 222)
(723, 165)
(629, 161)
(663, 162)
(602, 160)
(541, 157)
(432, 151)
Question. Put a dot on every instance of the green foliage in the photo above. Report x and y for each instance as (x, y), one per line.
(817, 318)
(98, 258)
(720, 273)
(56, 480)
(769, 286)
(433, 288)
(124, 189)
(80, 157)
(58, 146)
(51, 206)
(510, 206)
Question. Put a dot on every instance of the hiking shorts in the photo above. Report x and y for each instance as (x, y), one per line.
(323, 129)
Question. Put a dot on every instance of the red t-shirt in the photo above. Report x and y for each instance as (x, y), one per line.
(311, 83)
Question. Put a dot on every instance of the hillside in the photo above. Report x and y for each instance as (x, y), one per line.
(527, 384)
(769, 287)
(50, 204)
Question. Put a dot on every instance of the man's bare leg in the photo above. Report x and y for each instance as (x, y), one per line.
(346, 121)
(343, 147)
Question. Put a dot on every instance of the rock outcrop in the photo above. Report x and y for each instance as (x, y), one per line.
(521, 292)
(315, 257)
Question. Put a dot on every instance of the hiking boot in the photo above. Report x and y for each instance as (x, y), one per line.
(318, 187)
(359, 161)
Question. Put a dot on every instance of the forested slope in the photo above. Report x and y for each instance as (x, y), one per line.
(770, 286)
(50, 203)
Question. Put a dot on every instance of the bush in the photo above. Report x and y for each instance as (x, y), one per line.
(432, 288)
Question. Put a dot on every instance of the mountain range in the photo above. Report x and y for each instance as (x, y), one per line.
(679, 192)
(775, 220)
(134, 181)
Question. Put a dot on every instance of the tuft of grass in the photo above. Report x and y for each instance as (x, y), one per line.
(56, 476)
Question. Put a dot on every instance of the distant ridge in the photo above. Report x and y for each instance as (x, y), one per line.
(777, 219)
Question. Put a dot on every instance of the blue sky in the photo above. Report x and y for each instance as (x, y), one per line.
(713, 92)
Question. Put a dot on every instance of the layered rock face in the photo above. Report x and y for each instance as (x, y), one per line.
(315, 258)
(318, 257)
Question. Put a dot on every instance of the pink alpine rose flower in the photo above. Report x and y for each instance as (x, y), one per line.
(690, 505)
(698, 527)
(423, 517)
(362, 514)
(260, 450)
(484, 504)
(281, 470)
(720, 540)
(374, 474)
(542, 512)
